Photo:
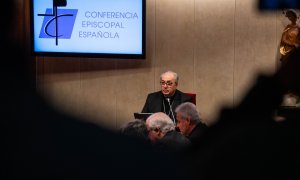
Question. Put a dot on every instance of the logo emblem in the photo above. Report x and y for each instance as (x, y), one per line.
(58, 25)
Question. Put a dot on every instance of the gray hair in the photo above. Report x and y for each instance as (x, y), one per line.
(189, 109)
(160, 121)
(135, 128)
(174, 74)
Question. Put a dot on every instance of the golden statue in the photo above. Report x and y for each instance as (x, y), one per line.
(290, 40)
(290, 37)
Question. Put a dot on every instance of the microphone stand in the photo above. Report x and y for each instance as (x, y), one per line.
(168, 99)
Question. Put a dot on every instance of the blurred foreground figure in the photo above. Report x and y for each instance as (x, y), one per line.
(42, 143)
(246, 142)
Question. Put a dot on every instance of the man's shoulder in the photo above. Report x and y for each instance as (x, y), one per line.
(176, 136)
(198, 131)
(181, 93)
(157, 93)
(184, 97)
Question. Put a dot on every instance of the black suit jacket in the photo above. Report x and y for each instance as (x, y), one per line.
(154, 101)
(197, 133)
(172, 142)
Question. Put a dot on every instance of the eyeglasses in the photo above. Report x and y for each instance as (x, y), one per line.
(168, 83)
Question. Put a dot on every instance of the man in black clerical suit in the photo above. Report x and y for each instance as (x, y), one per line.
(189, 122)
(169, 96)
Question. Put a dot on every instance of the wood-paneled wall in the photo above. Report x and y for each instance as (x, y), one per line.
(216, 46)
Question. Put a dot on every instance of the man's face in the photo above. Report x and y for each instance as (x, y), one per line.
(183, 124)
(168, 85)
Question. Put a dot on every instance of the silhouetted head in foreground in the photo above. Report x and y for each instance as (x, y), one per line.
(41, 142)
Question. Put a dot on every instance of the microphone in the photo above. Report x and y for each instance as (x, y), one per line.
(169, 102)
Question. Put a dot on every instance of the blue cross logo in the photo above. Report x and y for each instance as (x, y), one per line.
(58, 25)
